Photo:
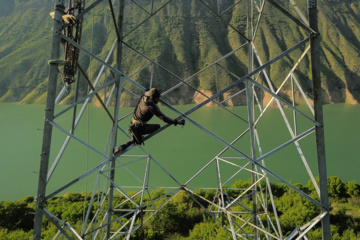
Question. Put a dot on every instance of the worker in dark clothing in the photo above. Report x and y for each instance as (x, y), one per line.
(146, 108)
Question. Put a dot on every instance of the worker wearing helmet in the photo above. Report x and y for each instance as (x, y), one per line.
(146, 108)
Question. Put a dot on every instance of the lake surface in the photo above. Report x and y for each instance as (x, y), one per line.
(181, 151)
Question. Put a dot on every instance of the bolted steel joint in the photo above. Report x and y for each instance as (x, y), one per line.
(39, 200)
(311, 3)
(60, 2)
(314, 35)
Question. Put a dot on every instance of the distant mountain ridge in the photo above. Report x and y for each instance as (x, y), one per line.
(183, 37)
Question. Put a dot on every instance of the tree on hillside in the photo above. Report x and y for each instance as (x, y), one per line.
(295, 210)
(17, 215)
(336, 187)
(353, 189)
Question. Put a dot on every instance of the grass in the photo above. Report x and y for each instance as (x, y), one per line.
(351, 207)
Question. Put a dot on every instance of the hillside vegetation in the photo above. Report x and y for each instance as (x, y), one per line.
(183, 219)
(184, 37)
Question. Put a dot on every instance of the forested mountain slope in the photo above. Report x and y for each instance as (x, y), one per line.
(184, 37)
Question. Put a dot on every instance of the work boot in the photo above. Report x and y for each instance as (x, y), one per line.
(117, 150)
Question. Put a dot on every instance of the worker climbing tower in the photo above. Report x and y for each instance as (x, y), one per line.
(270, 80)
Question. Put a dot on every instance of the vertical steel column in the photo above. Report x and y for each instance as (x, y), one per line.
(250, 100)
(320, 139)
(49, 116)
(118, 84)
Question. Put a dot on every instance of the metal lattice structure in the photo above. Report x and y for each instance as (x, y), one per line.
(120, 212)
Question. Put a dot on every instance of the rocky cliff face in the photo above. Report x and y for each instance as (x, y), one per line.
(184, 37)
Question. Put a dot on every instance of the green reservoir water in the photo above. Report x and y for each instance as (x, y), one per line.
(181, 151)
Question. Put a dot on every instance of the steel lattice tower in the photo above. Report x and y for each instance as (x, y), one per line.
(120, 212)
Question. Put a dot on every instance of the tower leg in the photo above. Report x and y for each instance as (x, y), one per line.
(320, 140)
(49, 115)
(116, 111)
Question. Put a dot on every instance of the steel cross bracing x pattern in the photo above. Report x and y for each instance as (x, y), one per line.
(143, 186)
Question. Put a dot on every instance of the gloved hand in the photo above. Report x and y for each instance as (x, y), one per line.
(181, 122)
(69, 18)
(66, 18)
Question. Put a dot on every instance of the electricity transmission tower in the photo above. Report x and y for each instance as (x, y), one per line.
(122, 195)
